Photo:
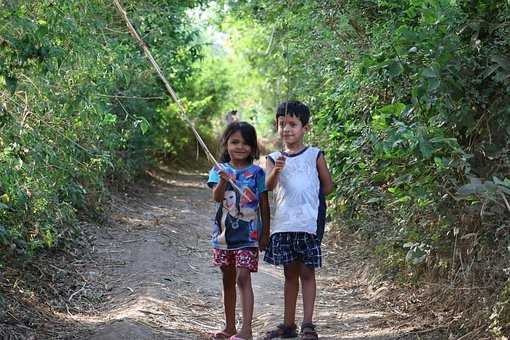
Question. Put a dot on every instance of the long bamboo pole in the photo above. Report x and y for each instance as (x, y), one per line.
(170, 90)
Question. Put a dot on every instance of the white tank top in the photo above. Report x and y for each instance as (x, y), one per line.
(296, 196)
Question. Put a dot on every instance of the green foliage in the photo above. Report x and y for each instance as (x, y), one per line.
(411, 103)
(236, 71)
(80, 107)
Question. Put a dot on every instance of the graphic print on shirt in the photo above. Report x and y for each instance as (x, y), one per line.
(297, 195)
(296, 178)
(237, 221)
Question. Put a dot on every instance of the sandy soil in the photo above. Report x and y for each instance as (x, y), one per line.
(148, 275)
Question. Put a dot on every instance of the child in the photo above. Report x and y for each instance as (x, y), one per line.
(300, 179)
(241, 224)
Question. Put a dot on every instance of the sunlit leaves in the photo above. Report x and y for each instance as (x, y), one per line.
(78, 98)
(143, 124)
(409, 104)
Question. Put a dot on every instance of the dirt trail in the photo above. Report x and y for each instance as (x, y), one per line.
(152, 277)
(155, 259)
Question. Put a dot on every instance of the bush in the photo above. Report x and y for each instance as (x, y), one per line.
(410, 102)
(80, 107)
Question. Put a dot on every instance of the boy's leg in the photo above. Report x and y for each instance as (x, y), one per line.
(246, 292)
(291, 290)
(309, 288)
(229, 298)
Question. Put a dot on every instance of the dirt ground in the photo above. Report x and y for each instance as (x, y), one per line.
(147, 274)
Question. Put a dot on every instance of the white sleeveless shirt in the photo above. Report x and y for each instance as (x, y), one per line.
(296, 196)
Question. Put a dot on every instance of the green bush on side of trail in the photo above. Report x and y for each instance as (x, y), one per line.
(411, 102)
(81, 108)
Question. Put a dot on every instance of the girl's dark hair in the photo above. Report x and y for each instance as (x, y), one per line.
(249, 135)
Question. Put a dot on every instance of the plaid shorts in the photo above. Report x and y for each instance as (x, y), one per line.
(285, 248)
(241, 258)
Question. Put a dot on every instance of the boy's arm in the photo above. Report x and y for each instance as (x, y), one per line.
(265, 217)
(273, 169)
(324, 175)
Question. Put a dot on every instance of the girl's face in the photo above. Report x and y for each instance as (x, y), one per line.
(237, 148)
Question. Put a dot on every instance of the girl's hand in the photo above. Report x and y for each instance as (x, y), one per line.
(263, 243)
(279, 164)
(224, 175)
(219, 190)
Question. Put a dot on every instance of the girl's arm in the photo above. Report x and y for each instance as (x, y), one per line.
(218, 192)
(274, 169)
(324, 175)
(265, 217)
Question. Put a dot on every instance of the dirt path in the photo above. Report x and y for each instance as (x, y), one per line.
(155, 264)
(149, 275)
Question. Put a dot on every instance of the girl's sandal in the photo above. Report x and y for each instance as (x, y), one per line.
(308, 332)
(221, 335)
(282, 331)
(235, 337)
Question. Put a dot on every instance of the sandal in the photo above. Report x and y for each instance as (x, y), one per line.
(221, 335)
(235, 337)
(282, 331)
(308, 332)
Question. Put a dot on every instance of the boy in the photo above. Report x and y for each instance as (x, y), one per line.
(300, 179)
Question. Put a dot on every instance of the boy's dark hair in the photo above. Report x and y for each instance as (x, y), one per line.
(250, 137)
(294, 108)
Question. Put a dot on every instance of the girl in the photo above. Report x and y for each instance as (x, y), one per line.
(241, 225)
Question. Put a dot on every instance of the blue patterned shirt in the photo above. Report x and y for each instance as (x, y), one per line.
(237, 223)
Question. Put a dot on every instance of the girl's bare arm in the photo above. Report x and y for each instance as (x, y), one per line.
(265, 217)
(218, 192)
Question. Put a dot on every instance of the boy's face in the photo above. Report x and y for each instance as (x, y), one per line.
(291, 130)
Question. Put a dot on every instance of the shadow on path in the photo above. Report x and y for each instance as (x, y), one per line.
(151, 273)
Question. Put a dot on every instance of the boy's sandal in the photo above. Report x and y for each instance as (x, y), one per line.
(222, 335)
(282, 331)
(308, 332)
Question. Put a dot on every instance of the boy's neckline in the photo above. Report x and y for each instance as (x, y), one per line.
(286, 154)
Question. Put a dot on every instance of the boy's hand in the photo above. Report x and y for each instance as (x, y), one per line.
(279, 164)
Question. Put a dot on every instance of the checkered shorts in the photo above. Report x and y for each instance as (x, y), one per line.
(285, 248)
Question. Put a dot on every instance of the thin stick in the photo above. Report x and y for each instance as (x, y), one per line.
(287, 96)
(506, 201)
(128, 97)
(170, 90)
(79, 290)
(270, 41)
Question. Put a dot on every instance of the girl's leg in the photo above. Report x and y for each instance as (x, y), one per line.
(290, 293)
(229, 298)
(246, 291)
(307, 275)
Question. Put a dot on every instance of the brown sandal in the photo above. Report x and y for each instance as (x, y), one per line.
(282, 331)
(308, 332)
